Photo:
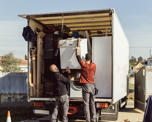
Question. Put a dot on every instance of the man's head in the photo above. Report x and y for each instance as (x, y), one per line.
(88, 57)
(53, 68)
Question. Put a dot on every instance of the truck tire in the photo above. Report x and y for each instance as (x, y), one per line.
(123, 103)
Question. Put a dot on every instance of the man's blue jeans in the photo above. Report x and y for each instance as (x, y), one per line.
(88, 92)
(63, 102)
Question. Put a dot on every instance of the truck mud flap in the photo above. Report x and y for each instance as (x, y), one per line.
(110, 114)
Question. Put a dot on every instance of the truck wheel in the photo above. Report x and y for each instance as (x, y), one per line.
(122, 103)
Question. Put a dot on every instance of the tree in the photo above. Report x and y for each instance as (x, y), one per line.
(132, 61)
(140, 59)
(8, 63)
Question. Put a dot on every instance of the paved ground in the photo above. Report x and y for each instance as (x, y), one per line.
(130, 114)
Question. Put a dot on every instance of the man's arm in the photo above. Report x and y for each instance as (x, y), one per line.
(81, 62)
(65, 77)
(57, 48)
(78, 47)
(78, 50)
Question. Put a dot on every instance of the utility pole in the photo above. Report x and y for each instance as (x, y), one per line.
(150, 52)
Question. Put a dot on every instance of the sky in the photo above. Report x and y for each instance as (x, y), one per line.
(135, 17)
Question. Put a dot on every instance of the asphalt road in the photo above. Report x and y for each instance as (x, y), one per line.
(126, 115)
(129, 114)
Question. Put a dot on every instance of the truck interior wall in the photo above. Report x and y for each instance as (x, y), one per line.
(120, 60)
(50, 42)
(102, 57)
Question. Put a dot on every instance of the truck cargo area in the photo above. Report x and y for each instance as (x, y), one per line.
(87, 24)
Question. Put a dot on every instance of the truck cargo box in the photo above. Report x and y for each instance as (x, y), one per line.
(104, 39)
(110, 49)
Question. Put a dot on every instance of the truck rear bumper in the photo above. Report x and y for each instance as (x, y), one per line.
(71, 99)
(41, 112)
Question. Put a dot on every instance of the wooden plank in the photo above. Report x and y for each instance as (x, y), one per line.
(68, 13)
(34, 69)
(34, 25)
(88, 24)
(95, 31)
(39, 61)
(70, 17)
(77, 21)
(96, 35)
(83, 23)
(103, 30)
(90, 28)
(31, 92)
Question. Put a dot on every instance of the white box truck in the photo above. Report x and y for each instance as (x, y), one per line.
(106, 42)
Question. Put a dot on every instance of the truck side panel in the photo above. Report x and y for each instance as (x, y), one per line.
(120, 60)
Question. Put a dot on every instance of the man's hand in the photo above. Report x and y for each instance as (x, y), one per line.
(77, 52)
(79, 40)
(72, 79)
(59, 45)
(78, 47)
(68, 70)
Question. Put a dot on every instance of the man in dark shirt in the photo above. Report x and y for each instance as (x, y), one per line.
(88, 88)
(61, 89)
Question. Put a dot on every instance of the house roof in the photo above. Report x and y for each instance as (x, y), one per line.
(22, 62)
(13, 83)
